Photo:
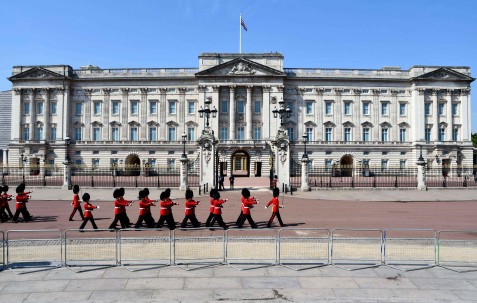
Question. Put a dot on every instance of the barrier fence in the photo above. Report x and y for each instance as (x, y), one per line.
(195, 248)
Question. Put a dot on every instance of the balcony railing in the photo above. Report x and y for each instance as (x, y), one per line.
(346, 73)
(135, 72)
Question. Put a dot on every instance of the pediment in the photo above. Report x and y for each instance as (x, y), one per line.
(240, 67)
(37, 73)
(444, 74)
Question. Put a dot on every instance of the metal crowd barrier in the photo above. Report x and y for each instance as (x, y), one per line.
(144, 247)
(24, 250)
(2, 245)
(308, 247)
(457, 249)
(356, 247)
(90, 247)
(198, 247)
(410, 249)
(256, 247)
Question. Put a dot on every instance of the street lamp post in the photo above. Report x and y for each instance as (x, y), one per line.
(281, 111)
(23, 160)
(305, 140)
(421, 172)
(67, 163)
(184, 138)
(207, 111)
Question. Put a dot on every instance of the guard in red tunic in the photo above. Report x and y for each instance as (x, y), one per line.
(145, 209)
(275, 209)
(247, 204)
(7, 198)
(166, 205)
(210, 219)
(3, 214)
(125, 215)
(190, 205)
(119, 210)
(168, 198)
(76, 203)
(22, 198)
(88, 208)
(240, 217)
(218, 210)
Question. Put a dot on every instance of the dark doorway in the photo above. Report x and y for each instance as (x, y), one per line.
(133, 165)
(346, 166)
(258, 169)
(241, 164)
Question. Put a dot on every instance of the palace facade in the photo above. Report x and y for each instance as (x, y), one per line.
(136, 116)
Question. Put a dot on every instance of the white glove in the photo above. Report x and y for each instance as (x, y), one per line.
(258, 202)
(97, 207)
(266, 207)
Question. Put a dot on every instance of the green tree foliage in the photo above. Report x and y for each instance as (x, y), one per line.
(474, 139)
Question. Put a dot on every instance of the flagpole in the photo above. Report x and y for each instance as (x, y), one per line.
(240, 29)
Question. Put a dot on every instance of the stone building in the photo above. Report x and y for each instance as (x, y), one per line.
(136, 116)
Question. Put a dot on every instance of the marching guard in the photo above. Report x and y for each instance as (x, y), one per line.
(76, 203)
(190, 205)
(119, 210)
(88, 208)
(166, 212)
(276, 207)
(210, 219)
(6, 198)
(145, 209)
(218, 210)
(22, 198)
(247, 204)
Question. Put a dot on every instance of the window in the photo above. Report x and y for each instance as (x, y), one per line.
(384, 109)
(427, 134)
(115, 107)
(224, 106)
(427, 109)
(79, 109)
(152, 107)
(39, 133)
(256, 107)
(26, 108)
(347, 108)
(54, 106)
(224, 133)
(455, 109)
(96, 134)
(402, 109)
(133, 134)
(328, 108)
(152, 134)
(402, 134)
(53, 134)
(455, 134)
(114, 161)
(97, 108)
(115, 134)
(172, 134)
(78, 134)
(309, 134)
(384, 165)
(328, 134)
(78, 162)
(442, 134)
(240, 133)
(257, 133)
(384, 135)
(402, 164)
(347, 134)
(309, 107)
(134, 107)
(328, 164)
(441, 109)
(291, 133)
(26, 133)
(171, 163)
(366, 134)
(39, 108)
(191, 133)
(152, 162)
(240, 107)
(291, 106)
(190, 107)
(172, 107)
(366, 108)
(95, 162)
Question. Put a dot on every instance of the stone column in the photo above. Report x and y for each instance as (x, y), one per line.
(162, 135)
(356, 116)
(232, 113)
(450, 118)
(249, 114)
(46, 114)
(32, 114)
(124, 114)
(143, 115)
(304, 173)
(182, 112)
(338, 114)
(66, 175)
(184, 173)
(319, 114)
(394, 115)
(87, 115)
(421, 174)
(466, 114)
(106, 104)
(267, 114)
(64, 107)
(374, 114)
(17, 112)
(435, 116)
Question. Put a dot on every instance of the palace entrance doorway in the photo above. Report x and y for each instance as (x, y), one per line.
(346, 166)
(133, 165)
(240, 164)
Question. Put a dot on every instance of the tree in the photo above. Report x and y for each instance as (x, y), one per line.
(474, 139)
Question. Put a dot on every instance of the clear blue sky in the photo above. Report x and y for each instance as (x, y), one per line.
(324, 33)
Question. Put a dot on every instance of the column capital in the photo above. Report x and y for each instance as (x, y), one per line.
(465, 92)
(434, 92)
(143, 91)
(45, 90)
(319, 90)
(280, 88)
(202, 88)
(338, 91)
(215, 88)
(162, 90)
(357, 91)
(182, 90)
(232, 88)
(376, 92)
(88, 91)
(266, 88)
(249, 88)
(106, 91)
(394, 92)
(125, 91)
(421, 91)
(301, 91)
(18, 91)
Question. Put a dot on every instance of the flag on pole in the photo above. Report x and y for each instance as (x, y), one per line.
(243, 24)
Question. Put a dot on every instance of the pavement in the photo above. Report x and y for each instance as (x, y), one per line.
(225, 283)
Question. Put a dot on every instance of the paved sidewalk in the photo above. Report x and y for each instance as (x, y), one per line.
(227, 284)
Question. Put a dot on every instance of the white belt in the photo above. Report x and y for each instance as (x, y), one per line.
(246, 207)
(188, 207)
(20, 202)
(142, 208)
(164, 208)
(87, 210)
(118, 207)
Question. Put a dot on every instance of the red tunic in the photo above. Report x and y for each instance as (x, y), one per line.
(21, 198)
(190, 207)
(274, 201)
(76, 201)
(247, 204)
(145, 206)
(120, 206)
(166, 207)
(218, 206)
(211, 210)
(88, 208)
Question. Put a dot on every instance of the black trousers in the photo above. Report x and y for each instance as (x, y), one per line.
(85, 220)
(209, 219)
(74, 211)
(7, 209)
(3, 214)
(249, 219)
(193, 221)
(26, 215)
(239, 219)
(219, 220)
(146, 218)
(169, 220)
(277, 214)
(121, 218)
